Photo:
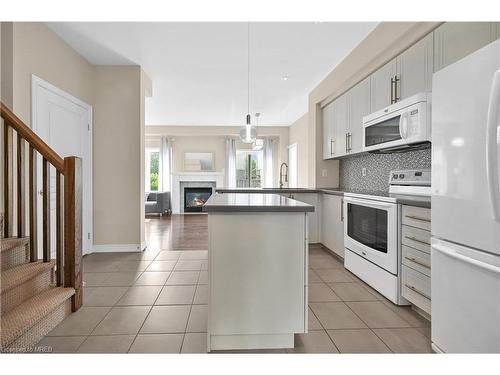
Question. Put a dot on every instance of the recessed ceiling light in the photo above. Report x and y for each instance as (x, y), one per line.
(285, 78)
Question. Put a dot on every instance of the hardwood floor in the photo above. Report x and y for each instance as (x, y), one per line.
(177, 232)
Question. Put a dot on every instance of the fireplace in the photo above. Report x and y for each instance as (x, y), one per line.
(195, 198)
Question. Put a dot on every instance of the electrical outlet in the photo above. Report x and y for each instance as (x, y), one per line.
(363, 172)
(324, 173)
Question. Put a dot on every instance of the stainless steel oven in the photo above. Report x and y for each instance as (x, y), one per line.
(371, 230)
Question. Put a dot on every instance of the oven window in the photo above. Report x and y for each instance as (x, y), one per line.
(368, 226)
(382, 132)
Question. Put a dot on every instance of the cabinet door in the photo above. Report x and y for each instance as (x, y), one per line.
(415, 68)
(312, 217)
(332, 226)
(381, 87)
(455, 40)
(327, 122)
(340, 125)
(359, 106)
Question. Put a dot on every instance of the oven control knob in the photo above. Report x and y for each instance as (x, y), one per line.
(401, 176)
(395, 176)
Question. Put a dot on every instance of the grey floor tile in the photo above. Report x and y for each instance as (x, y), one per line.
(143, 255)
(201, 295)
(103, 296)
(67, 344)
(167, 319)
(176, 295)
(426, 331)
(121, 279)
(123, 320)
(80, 323)
(140, 296)
(313, 322)
(183, 278)
(404, 340)
(313, 342)
(162, 265)
(168, 255)
(352, 292)
(313, 277)
(195, 343)
(132, 266)
(153, 278)
(324, 262)
(357, 341)
(335, 275)
(99, 266)
(376, 315)
(94, 279)
(336, 315)
(194, 254)
(203, 278)
(412, 317)
(198, 319)
(107, 344)
(320, 292)
(159, 343)
(188, 265)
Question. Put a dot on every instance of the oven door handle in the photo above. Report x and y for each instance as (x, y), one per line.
(367, 202)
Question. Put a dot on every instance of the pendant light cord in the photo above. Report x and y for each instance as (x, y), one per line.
(248, 69)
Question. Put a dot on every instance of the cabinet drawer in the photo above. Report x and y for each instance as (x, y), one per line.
(418, 260)
(417, 238)
(417, 217)
(416, 288)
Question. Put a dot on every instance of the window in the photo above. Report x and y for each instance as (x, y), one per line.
(249, 165)
(152, 167)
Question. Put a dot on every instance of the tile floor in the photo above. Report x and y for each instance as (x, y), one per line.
(156, 302)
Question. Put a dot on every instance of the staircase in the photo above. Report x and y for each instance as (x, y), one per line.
(36, 294)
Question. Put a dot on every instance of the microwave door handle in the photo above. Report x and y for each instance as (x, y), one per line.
(492, 140)
(403, 125)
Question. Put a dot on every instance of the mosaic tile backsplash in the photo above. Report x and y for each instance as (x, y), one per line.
(378, 167)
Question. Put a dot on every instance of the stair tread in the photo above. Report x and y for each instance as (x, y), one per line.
(20, 274)
(26, 315)
(12, 242)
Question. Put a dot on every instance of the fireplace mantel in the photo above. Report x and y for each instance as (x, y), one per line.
(187, 176)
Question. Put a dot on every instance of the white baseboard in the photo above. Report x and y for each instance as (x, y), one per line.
(112, 248)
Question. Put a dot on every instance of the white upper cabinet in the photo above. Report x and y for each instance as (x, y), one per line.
(328, 131)
(340, 118)
(415, 68)
(358, 106)
(382, 87)
(455, 40)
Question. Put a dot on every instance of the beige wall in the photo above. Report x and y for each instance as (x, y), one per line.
(198, 133)
(385, 42)
(298, 134)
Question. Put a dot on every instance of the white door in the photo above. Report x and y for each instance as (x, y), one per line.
(465, 182)
(64, 123)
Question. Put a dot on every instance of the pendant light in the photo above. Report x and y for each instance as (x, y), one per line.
(258, 143)
(248, 133)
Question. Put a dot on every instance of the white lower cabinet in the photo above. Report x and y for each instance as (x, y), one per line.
(332, 225)
(312, 217)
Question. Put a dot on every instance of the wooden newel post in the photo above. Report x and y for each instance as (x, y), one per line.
(73, 228)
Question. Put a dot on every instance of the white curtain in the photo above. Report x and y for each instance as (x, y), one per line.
(230, 163)
(268, 163)
(165, 164)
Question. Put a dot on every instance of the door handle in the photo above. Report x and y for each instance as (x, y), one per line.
(455, 254)
(492, 140)
(396, 80)
(392, 90)
(341, 210)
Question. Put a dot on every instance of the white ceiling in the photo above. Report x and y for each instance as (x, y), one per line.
(199, 70)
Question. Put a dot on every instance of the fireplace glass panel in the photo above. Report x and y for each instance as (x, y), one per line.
(195, 198)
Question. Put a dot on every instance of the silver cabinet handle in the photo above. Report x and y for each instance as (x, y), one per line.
(396, 80)
(418, 218)
(341, 210)
(418, 291)
(420, 263)
(417, 240)
(331, 146)
(349, 138)
(392, 90)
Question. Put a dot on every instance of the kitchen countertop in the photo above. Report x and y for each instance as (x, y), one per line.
(419, 201)
(254, 202)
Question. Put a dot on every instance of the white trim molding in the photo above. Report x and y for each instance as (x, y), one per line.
(114, 248)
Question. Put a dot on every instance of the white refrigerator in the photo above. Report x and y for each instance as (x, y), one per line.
(465, 256)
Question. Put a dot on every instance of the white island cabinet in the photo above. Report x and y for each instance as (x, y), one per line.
(257, 271)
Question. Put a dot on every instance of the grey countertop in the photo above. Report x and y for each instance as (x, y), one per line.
(254, 202)
(403, 199)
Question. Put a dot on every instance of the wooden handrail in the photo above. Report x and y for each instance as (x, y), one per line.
(33, 139)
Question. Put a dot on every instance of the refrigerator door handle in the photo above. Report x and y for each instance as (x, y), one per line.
(454, 254)
(492, 146)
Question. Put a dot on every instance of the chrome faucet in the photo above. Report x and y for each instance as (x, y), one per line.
(285, 175)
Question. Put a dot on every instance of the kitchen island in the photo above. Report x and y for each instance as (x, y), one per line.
(257, 271)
